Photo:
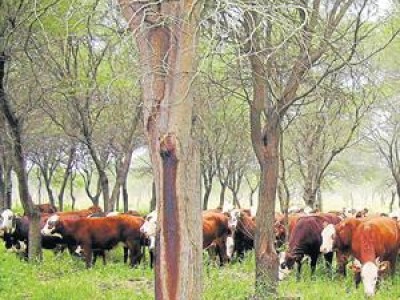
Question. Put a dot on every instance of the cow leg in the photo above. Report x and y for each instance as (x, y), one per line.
(328, 262)
(103, 254)
(88, 255)
(134, 253)
(126, 250)
(341, 260)
(298, 271)
(95, 254)
(151, 254)
(313, 264)
(357, 279)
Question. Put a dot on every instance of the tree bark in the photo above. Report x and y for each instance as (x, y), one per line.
(266, 257)
(153, 201)
(167, 52)
(207, 192)
(222, 195)
(125, 196)
(2, 187)
(9, 184)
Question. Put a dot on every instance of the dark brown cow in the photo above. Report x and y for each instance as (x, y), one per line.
(306, 239)
(374, 242)
(100, 234)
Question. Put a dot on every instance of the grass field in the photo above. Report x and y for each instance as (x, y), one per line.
(63, 277)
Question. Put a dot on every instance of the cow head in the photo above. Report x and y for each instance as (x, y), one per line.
(369, 273)
(289, 260)
(283, 271)
(51, 226)
(149, 228)
(7, 221)
(234, 217)
(328, 236)
(280, 234)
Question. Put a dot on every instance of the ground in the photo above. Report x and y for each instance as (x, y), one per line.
(62, 277)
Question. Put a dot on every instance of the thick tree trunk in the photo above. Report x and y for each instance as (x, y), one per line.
(266, 257)
(14, 124)
(310, 194)
(167, 53)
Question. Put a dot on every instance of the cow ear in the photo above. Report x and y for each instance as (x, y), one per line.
(384, 266)
(356, 266)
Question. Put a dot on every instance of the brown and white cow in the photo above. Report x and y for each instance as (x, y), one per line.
(373, 242)
(102, 233)
(242, 224)
(305, 239)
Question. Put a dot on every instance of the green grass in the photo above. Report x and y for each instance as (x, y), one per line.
(62, 277)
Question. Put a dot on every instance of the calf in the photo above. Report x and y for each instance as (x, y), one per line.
(306, 240)
(99, 234)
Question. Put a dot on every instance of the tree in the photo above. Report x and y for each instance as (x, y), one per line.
(326, 127)
(166, 37)
(15, 19)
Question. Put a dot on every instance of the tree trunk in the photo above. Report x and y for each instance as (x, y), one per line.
(48, 189)
(117, 200)
(153, 201)
(125, 196)
(71, 192)
(168, 120)
(222, 195)
(310, 194)
(266, 257)
(2, 187)
(236, 202)
(30, 210)
(206, 196)
(9, 185)
(67, 174)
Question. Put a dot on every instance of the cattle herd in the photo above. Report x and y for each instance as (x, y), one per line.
(370, 242)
